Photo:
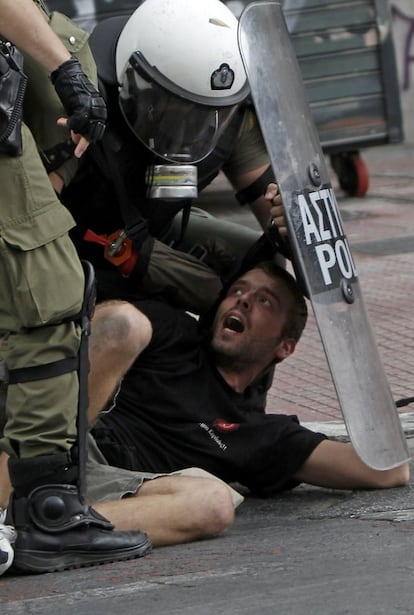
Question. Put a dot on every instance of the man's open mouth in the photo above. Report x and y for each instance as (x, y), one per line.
(234, 324)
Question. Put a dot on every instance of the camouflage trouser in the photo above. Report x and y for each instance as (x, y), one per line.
(42, 288)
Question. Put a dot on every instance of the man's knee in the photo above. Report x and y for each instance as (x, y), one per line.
(119, 326)
(208, 503)
(218, 512)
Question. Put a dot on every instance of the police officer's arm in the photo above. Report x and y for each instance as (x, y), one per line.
(248, 169)
(260, 206)
(268, 206)
(22, 23)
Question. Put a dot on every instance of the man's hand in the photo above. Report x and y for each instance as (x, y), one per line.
(85, 107)
(277, 211)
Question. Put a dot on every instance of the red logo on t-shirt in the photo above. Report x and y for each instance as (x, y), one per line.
(224, 426)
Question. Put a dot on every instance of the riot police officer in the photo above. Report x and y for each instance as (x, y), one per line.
(178, 114)
(44, 325)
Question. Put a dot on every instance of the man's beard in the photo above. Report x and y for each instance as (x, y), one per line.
(228, 356)
(244, 353)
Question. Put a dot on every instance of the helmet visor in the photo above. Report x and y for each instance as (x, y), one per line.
(171, 126)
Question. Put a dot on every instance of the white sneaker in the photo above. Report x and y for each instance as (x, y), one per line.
(7, 538)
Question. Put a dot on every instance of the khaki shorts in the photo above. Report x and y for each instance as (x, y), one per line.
(105, 482)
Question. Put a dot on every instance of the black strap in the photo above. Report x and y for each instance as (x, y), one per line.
(42, 6)
(58, 154)
(41, 372)
(104, 154)
(185, 218)
(211, 165)
(257, 189)
(87, 311)
(405, 401)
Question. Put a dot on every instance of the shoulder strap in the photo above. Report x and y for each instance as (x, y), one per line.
(42, 6)
(210, 166)
(104, 154)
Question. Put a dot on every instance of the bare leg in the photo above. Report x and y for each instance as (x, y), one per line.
(170, 509)
(5, 485)
(173, 509)
(119, 333)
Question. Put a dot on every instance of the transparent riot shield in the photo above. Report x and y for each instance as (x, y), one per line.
(322, 258)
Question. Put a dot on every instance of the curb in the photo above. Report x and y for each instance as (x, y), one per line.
(337, 430)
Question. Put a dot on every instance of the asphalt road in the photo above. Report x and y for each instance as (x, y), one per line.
(308, 552)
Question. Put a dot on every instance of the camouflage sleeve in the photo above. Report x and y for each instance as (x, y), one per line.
(249, 152)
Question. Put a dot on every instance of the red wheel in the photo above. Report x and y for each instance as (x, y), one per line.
(352, 173)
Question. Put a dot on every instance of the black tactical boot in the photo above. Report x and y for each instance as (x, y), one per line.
(56, 531)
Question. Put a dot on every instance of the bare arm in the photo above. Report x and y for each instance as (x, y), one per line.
(261, 206)
(23, 24)
(336, 465)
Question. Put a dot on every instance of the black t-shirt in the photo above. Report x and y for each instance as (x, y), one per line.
(174, 410)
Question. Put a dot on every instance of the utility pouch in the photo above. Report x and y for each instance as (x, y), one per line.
(12, 88)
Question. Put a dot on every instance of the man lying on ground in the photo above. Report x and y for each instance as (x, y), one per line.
(188, 398)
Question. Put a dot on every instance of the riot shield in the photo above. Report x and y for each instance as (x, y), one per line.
(321, 254)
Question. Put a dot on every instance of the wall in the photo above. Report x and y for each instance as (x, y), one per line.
(402, 12)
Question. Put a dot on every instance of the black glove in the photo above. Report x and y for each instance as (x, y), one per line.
(84, 105)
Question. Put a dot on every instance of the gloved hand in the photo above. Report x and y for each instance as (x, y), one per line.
(84, 105)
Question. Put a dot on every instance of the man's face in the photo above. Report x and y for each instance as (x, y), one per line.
(249, 321)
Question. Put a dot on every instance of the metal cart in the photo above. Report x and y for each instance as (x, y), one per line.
(346, 53)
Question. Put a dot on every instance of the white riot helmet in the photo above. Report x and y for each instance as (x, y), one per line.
(181, 75)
